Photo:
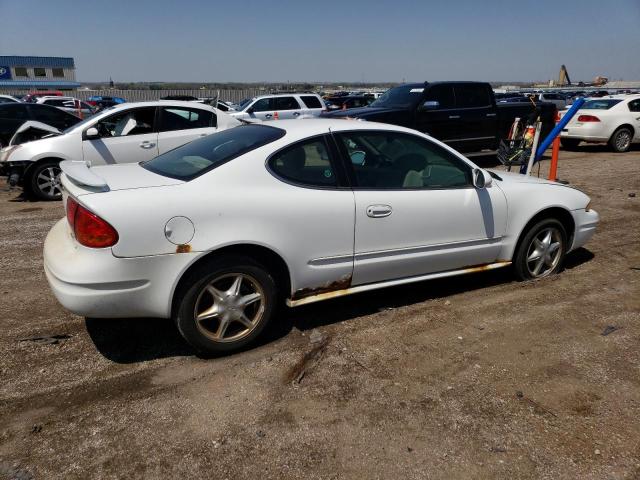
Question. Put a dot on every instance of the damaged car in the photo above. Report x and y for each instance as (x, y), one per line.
(129, 132)
(216, 233)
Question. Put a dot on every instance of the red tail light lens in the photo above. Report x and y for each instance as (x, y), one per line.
(588, 118)
(89, 229)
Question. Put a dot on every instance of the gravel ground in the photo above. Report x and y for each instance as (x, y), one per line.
(470, 377)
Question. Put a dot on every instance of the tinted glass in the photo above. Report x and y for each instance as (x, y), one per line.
(21, 72)
(177, 118)
(262, 105)
(285, 103)
(138, 121)
(53, 116)
(306, 163)
(442, 94)
(200, 156)
(6, 100)
(39, 72)
(469, 96)
(405, 96)
(311, 102)
(600, 104)
(13, 110)
(393, 161)
(634, 106)
(57, 72)
(54, 102)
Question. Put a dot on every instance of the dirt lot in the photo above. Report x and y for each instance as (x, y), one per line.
(474, 377)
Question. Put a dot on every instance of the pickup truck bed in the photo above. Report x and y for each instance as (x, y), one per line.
(462, 114)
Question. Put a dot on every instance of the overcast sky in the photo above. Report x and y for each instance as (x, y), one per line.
(348, 40)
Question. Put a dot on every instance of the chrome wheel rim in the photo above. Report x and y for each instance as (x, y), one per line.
(229, 307)
(48, 181)
(623, 139)
(544, 252)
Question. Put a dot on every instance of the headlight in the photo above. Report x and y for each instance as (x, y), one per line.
(6, 151)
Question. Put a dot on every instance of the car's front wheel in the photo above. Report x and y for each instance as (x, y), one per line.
(43, 181)
(225, 305)
(621, 139)
(541, 251)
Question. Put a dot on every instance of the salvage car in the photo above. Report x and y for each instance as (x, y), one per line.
(614, 120)
(461, 114)
(129, 132)
(13, 115)
(216, 233)
(280, 106)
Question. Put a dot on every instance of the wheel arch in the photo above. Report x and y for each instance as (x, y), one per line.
(559, 213)
(272, 261)
(624, 125)
(40, 161)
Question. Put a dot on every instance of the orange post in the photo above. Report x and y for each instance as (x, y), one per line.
(555, 150)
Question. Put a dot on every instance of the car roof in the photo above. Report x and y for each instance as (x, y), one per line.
(302, 128)
(284, 94)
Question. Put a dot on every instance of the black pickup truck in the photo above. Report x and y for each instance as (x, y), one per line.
(463, 115)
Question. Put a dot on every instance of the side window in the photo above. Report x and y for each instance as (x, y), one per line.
(395, 161)
(39, 72)
(55, 103)
(137, 121)
(470, 96)
(262, 105)
(311, 101)
(634, 106)
(286, 103)
(306, 163)
(442, 94)
(178, 118)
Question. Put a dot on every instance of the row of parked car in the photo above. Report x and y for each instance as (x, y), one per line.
(465, 115)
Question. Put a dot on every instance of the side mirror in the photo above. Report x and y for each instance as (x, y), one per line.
(250, 110)
(430, 105)
(481, 179)
(91, 133)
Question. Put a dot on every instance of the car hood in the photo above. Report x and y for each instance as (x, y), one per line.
(362, 112)
(513, 177)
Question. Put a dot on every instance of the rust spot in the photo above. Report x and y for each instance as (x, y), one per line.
(340, 284)
(307, 362)
(486, 266)
(183, 248)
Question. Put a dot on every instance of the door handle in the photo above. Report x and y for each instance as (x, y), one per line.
(378, 211)
(296, 114)
(491, 114)
(453, 117)
(147, 144)
(268, 115)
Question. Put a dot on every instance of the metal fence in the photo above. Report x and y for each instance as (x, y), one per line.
(146, 95)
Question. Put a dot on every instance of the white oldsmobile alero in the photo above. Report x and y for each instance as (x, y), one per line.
(215, 233)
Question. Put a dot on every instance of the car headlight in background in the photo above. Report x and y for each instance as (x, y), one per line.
(6, 151)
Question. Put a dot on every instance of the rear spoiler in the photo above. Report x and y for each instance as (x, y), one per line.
(79, 172)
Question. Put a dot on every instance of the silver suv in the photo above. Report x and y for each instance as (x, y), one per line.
(280, 106)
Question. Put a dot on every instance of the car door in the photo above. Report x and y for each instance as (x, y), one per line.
(478, 120)
(441, 120)
(180, 125)
(634, 108)
(127, 136)
(262, 109)
(287, 107)
(416, 209)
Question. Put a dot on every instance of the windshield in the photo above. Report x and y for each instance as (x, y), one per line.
(400, 97)
(244, 103)
(200, 156)
(600, 104)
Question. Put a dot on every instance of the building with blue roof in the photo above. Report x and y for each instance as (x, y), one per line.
(37, 73)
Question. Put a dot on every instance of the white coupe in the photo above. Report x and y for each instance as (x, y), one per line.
(215, 233)
(615, 120)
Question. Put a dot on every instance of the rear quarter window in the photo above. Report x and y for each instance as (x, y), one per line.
(311, 101)
(200, 156)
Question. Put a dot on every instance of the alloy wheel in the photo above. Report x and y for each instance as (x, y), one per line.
(48, 181)
(229, 307)
(622, 140)
(544, 252)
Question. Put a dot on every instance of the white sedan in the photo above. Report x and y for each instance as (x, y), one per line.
(129, 132)
(215, 233)
(615, 120)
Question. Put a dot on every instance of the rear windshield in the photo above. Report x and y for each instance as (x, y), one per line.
(600, 104)
(200, 156)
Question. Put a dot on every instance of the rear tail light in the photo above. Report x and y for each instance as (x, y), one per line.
(588, 118)
(89, 229)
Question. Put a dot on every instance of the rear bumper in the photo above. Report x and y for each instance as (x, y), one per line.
(586, 223)
(94, 283)
(588, 132)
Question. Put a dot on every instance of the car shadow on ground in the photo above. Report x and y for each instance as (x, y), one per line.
(132, 340)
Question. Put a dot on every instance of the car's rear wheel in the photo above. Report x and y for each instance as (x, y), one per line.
(569, 143)
(541, 251)
(225, 304)
(43, 181)
(621, 139)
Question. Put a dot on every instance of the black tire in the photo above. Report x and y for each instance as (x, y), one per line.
(43, 181)
(621, 139)
(523, 266)
(569, 143)
(195, 290)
